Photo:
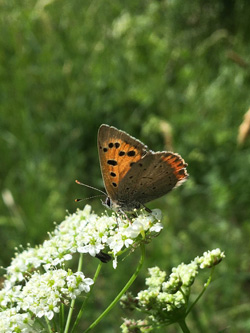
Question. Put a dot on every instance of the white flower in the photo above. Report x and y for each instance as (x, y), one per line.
(92, 249)
(135, 229)
(116, 242)
(156, 227)
(157, 214)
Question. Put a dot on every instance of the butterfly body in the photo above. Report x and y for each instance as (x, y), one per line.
(132, 174)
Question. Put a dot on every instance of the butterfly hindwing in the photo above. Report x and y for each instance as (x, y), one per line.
(153, 176)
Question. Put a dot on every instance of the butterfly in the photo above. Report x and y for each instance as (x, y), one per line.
(134, 175)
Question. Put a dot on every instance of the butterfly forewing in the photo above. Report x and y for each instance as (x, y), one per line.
(118, 152)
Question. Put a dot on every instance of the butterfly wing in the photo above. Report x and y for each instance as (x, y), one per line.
(153, 176)
(118, 152)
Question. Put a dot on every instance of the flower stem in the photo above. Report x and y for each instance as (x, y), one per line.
(86, 298)
(204, 289)
(61, 317)
(183, 326)
(122, 292)
(72, 304)
(48, 323)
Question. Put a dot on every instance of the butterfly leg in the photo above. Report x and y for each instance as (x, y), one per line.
(147, 209)
(124, 214)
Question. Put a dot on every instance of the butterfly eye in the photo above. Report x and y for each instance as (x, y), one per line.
(108, 202)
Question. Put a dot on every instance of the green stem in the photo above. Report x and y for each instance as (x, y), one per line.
(48, 324)
(72, 304)
(204, 289)
(86, 298)
(186, 297)
(54, 324)
(122, 292)
(38, 320)
(61, 317)
(183, 326)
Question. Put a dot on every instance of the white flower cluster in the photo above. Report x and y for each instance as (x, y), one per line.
(12, 321)
(112, 233)
(156, 278)
(210, 258)
(41, 296)
(163, 296)
(183, 275)
(165, 300)
(84, 232)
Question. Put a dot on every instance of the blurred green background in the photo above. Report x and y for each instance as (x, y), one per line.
(175, 75)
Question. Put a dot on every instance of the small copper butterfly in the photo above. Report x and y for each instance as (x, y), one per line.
(132, 174)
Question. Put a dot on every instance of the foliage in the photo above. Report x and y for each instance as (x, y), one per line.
(68, 66)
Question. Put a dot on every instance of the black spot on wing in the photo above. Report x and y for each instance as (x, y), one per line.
(121, 153)
(131, 153)
(112, 162)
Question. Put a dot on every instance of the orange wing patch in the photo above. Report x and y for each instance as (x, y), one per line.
(117, 158)
(177, 164)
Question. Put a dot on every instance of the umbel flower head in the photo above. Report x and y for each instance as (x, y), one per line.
(36, 282)
(166, 301)
(85, 232)
(41, 296)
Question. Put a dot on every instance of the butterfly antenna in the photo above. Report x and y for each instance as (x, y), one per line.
(95, 196)
(93, 188)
